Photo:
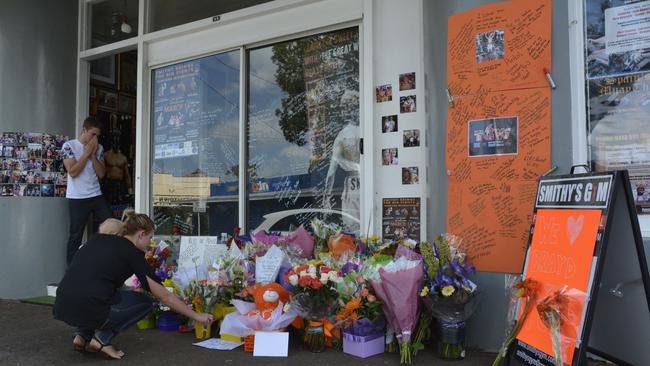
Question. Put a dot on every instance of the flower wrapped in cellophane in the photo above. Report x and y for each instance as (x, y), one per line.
(315, 301)
(360, 311)
(322, 232)
(398, 286)
(270, 312)
(449, 293)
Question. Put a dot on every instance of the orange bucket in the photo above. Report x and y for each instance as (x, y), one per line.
(249, 343)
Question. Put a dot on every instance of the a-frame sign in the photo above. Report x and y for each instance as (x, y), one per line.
(585, 239)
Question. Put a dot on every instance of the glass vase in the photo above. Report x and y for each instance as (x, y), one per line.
(451, 340)
(315, 337)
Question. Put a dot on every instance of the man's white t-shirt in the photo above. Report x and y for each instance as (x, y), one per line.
(86, 184)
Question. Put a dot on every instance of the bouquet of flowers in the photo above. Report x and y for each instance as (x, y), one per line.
(157, 256)
(449, 293)
(360, 311)
(323, 232)
(203, 295)
(398, 286)
(315, 299)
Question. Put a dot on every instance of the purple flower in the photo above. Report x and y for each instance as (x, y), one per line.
(349, 267)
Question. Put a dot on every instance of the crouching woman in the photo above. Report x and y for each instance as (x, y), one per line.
(89, 296)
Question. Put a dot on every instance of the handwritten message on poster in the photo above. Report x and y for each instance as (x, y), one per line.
(498, 130)
(561, 254)
(499, 47)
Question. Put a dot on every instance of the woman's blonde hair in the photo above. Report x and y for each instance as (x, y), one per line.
(112, 226)
(133, 222)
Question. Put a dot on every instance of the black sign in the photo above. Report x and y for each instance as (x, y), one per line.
(583, 192)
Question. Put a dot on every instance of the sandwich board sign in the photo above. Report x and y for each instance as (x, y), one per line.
(585, 244)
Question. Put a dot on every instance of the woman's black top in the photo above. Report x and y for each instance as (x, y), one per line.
(90, 285)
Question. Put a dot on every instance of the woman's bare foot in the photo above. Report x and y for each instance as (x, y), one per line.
(79, 343)
(108, 349)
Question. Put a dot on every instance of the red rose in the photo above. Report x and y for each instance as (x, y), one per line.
(237, 230)
(316, 284)
(325, 269)
(176, 229)
(305, 281)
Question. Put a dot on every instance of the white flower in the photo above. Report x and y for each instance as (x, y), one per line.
(286, 307)
(293, 280)
(323, 280)
(303, 274)
(333, 276)
(312, 270)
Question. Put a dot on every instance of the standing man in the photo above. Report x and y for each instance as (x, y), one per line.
(84, 160)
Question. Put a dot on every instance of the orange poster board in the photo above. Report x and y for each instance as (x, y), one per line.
(561, 254)
(493, 219)
(499, 46)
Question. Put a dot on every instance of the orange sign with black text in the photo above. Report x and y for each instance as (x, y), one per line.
(561, 258)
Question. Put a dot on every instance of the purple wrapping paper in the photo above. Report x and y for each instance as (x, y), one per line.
(302, 239)
(403, 251)
(366, 327)
(400, 292)
(265, 238)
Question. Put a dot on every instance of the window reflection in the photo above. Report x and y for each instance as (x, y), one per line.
(303, 128)
(196, 145)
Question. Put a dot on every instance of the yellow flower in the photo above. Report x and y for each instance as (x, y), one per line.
(448, 290)
(374, 238)
(425, 292)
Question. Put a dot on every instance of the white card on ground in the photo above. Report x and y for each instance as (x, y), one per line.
(271, 344)
(220, 344)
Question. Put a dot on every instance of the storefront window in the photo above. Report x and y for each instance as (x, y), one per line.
(195, 123)
(112, 21)
(303, 142)
(170, 13)
(618, 87)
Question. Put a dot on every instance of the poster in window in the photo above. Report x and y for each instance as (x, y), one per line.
(618, 37)
(401, 218)
(620, 130)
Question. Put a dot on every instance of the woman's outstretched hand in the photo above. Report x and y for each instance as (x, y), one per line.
(204, 318)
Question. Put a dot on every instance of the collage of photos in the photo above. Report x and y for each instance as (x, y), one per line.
(31, 165)
(389, 124)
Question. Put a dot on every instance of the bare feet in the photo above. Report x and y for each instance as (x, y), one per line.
(79, 343)
(107, 349)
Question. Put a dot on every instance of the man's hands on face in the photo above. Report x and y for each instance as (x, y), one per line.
(90, 149)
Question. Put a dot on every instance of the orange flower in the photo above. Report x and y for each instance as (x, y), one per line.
(341, 244)
(526, 288)
(350, 310)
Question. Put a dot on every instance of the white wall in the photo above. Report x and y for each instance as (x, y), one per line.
(398, 49)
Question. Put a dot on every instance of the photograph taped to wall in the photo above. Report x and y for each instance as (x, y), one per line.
(389, 156)
(410, 175)
(401, 218)
(490, 46)
(411, 138)
(384, 93)
(407, 81)
(389, 123)
(493, 136)
(641, 193)
(617, 37)
(407, 104)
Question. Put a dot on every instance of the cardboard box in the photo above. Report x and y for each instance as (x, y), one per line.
(363, 346)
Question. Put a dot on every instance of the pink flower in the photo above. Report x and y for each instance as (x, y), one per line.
(371, 298)
(364, 292)
(360, 279)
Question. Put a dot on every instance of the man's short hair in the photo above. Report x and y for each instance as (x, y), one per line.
(92, 122)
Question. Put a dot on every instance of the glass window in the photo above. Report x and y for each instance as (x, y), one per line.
(618, 79)
(170, 13)
(303, 142)
(112, 21)
(196, 145)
